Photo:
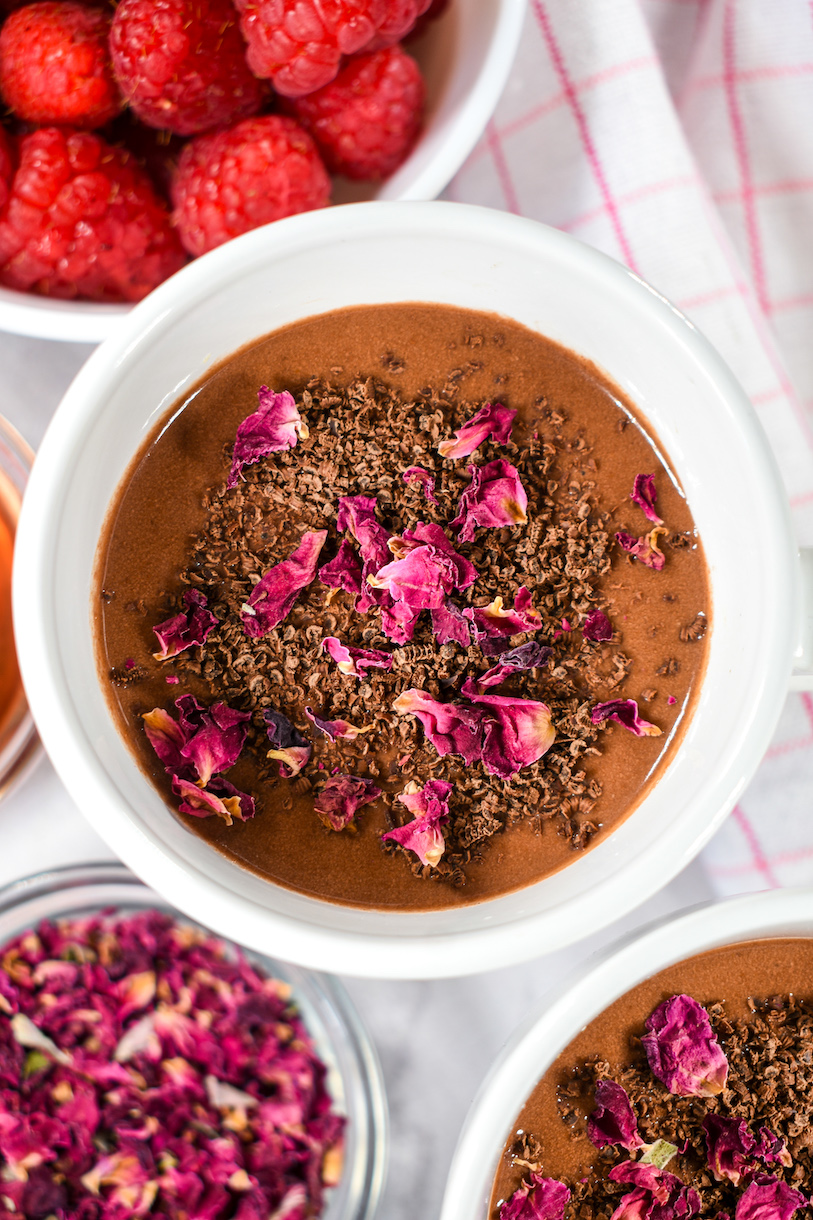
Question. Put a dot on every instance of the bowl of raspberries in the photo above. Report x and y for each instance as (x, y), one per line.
(138, 135)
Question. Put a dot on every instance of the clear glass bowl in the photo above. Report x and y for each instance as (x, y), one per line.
(20, 746)
(354, 1074)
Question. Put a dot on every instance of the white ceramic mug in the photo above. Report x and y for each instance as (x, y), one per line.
(565, 1012)
(464, 256)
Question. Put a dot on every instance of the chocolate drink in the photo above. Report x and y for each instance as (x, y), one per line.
(759, 1000)
(605, 604)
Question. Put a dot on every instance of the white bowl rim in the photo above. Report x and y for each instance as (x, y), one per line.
(39, 317)
(415, 955)
(583, 995)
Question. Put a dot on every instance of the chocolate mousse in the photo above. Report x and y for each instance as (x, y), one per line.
(692, 1095)
(401, 606)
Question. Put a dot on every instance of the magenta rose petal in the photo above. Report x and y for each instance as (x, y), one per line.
(729, 1145)
(645, 496)
(398, 622)
(417, 474)
(357, 516)
(275, 425)
(427, 570)
(344, 570)
(772, 1148)
(768, 1198)
(452, 728)
(492, 420)
(493, 621)
(645, 549)
(430, 809)
(656, 1194)
(288, 746)
(682, 1049)
(272, 599)
(613, 1119)
(494, 498)
(538, 1199)
(597, 627)
(215, 735)
(166, 736)
(184, 630)
(336, 730)
(517, 732)
(450, 625)
(202, 803)
(530, 655)
(354, 662)
(624, 711)
(342, 797)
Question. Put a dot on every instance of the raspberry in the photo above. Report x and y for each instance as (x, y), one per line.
(55, 66)
(82, 220)
(298, 44)
(182, 65)
(232, 181)
(367, 119)
(6, 166)
(401, 17)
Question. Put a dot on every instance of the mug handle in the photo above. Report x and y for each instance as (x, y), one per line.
(802, 676)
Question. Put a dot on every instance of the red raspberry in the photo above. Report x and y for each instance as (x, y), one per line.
(367, 119)
(401, 17)
(232, 181)
(82, 220)
(298, 44)
(55, 66)
(182, 65)
(6, 166)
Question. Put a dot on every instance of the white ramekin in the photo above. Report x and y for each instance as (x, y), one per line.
(465, 56)
(565, 1011)
(364, 254)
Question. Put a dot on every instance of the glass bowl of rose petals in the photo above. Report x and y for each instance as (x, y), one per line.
(150, 1068)
(668, 1077)
(166, 129)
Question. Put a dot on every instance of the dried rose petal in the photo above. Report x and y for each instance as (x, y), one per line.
(449, 624)
(452, 728)
(493, 620)
(398, 621)
(625, 711)
(645, 496)
(417, 474)
(428, 569)
(166, 737)
(185, 630)
(273, 597)
(597, 627)
(767, 1198)
(335, 729)
(530, 655)
(517, 732)
(657, 1194)
(430, 809)
(341, 797)
(204, 802)
(772, 1148)
(495, 497)
(275, 425)
(215, 736)
(644, 549)
(493, 419)
(729, 1144)
(289, 747)
(354, 662)
(356, 514)
(344, 570)
(538, 1199)
(613, 1120)
(682, 1049)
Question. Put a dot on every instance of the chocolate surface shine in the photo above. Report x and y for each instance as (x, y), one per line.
(576, 440)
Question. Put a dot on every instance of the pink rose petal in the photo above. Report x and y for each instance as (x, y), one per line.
(344, 570)
(288, 746)
(657, 1194)
(214, 736)
(427, 570)
(597, 627)
(275, 425)
(644, 549)
(492, 420)
(729, 1144)
(682, 1049)
(218, 797)
(613, 1120)
(184, 630)
(494, 498)
(356, 515)
(493, 621)
(449, 624)
(417, 474)
(430, 809)
(645, 496)
(341, 798)
(451, 727)
(336, 730)
(767, 1198)
(772, 1148)
(166, 737)
(517, 732)
(272, 599)
(354, 662)
(526, 656)
(624, 711)
(538, 1199)
(398, 621)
